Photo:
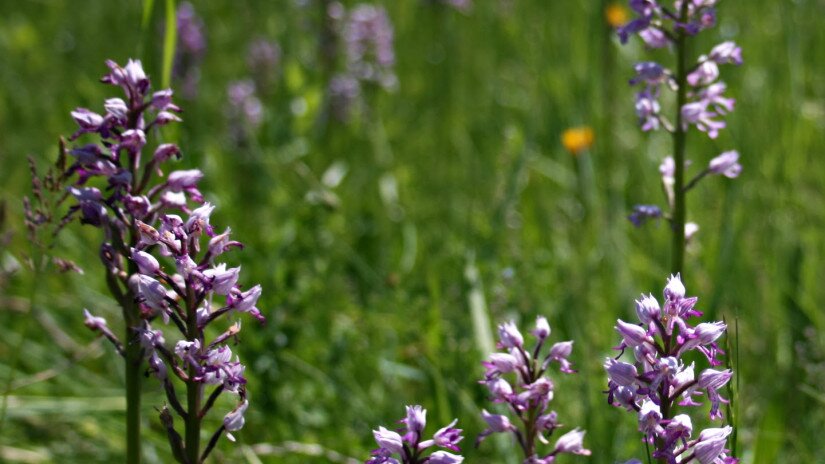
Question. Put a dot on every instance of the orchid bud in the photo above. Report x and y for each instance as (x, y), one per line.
(146, 263)
(542, 329)
(510, 336)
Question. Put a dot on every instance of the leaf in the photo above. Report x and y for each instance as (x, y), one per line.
(170, 38)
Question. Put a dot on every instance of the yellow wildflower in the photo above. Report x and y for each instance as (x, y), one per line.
(616, 15)
(577, 139)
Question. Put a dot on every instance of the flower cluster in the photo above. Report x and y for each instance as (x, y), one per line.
(344, 94)
(706, 100)
(703, 102)
(658, 27)
(119, 158)
(244, 105)
(659, 379)
(159, 265)
(410, 446)
(191, 49)
(528, 396)
(654, 18)
(245, 110)
(264, 60)
(188, 296)
(367, 36)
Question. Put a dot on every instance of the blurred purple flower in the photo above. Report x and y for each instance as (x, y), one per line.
(726, 52)
(368, 38)
(652, 74)
(245, 108)
(642, 213)
(264, 59)
(698, 114)
(647, 109)
(191, 49)
(726, 164)
(712, 97)
(654, 38)
(706, 73)
(571, 442)
(344, 92)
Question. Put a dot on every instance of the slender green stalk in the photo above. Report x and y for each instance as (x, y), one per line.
(530, 435)
(193, 419)
(132, 361)
(194, 389)
(132, 364)
(679, 139)
(133, 354)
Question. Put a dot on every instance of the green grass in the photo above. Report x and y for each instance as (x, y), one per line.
(378, 300)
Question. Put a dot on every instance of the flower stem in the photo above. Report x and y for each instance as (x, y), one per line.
(679, 139)
(194, 389)
(133, 359)
(133, 354)
(193, 420)
(696, 179)
(679, 191)
(530, 435)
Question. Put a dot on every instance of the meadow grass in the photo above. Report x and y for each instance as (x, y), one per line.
(459, 208)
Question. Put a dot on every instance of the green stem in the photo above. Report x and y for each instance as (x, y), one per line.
(530, 433)
(132, 364)
(532, 413)
(193, 420)
(679, 139)
(194, 389)
(133, 354)
(696, 180)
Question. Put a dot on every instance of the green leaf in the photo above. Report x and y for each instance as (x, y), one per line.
(170, 38)
(148, 7)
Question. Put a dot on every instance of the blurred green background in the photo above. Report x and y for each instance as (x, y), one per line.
(458, 208)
